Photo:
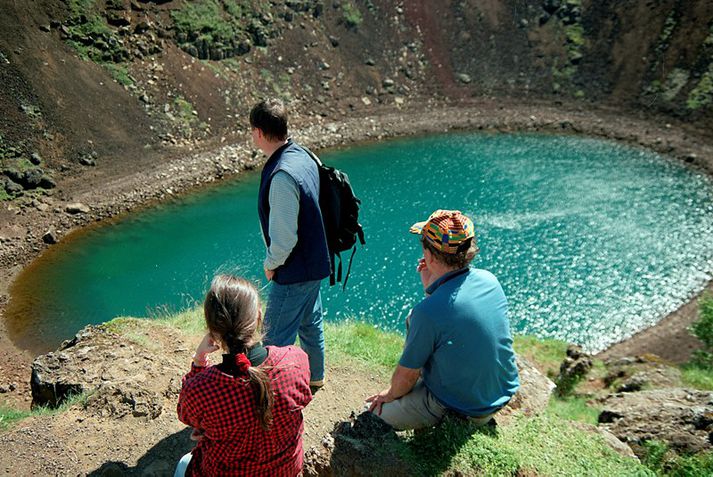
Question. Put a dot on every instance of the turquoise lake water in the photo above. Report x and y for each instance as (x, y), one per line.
(590, 239)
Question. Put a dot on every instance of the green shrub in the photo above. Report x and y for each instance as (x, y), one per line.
(352, 16)
(703, 330)
(702, 95)
(204, 19)
(698, 372)
(120, 74)
(664, 462)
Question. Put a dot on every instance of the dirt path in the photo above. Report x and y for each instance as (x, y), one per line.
(135, 431)
(79, 443)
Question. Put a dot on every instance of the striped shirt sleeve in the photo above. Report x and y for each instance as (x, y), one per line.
(284, 202)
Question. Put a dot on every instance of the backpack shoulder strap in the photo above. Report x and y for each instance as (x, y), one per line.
(313, 156)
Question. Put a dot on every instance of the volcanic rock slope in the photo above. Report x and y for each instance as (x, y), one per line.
(98, 88)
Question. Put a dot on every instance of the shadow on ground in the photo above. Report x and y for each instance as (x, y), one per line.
(365, 445)
(160, 460)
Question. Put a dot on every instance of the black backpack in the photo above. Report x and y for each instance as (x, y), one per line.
(340, 213)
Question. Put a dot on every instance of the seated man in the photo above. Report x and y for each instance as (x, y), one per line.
(458, 354)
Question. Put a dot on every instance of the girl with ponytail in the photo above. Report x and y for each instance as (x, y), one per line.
(246, 412)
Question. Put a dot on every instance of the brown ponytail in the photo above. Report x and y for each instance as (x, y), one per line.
(232, 309)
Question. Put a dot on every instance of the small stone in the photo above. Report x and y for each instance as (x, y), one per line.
(334, 41)
(45, 28)
(464, 78)
(13, 386)
(366, 101)
(35, 158)
(77, 208)
(369, 62)
(46, 182)
(388, 83)
(323, 65)
(4, 389)
(50, 237)
(87, 160)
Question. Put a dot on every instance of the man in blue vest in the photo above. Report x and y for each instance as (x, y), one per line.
(458, 355)
(297, 256)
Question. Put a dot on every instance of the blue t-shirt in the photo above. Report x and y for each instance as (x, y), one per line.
(459, 337)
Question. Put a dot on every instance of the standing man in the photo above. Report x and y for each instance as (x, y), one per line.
(297, 255)
(458, 354)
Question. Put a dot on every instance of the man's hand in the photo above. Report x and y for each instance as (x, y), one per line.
(378, 399)
(402, 382)
(269, 274)
(206, 347)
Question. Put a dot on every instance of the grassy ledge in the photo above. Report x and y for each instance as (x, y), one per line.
(548, 444)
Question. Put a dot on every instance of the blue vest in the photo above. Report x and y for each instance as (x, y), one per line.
(309, 260)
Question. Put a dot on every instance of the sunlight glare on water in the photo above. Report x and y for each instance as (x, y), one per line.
(591, 240)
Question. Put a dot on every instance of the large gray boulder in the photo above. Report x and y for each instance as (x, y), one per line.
(97, 358)
(682, 418)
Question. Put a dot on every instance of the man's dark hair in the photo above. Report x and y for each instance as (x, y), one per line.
(270, 116)
(461, 259)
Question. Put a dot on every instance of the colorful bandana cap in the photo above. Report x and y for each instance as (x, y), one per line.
(446, 230)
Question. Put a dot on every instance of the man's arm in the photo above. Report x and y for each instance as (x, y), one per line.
(402, 382)
(284, 202)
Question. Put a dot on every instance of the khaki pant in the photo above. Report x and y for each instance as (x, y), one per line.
(418, 409)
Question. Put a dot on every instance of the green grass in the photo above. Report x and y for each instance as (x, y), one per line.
(216, 68)
(85, 21)
(351, 15)
(547, 444)
(702, 94)
(9, 417)
(81, 7)
(709, 39)
(575, 34)
(280, 85)
(543, 445)
(676, 80)
(547, 355)
(205, 18)
(696, 376)
(188, 322)
(363, 342)
(573, 409)
(120, 73)
(24, 164)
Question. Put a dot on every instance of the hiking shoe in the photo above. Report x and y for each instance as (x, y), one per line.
(315, 386)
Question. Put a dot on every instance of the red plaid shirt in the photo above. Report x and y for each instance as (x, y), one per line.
(224, 408)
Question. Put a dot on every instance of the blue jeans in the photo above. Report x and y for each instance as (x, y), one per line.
(293, 309)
